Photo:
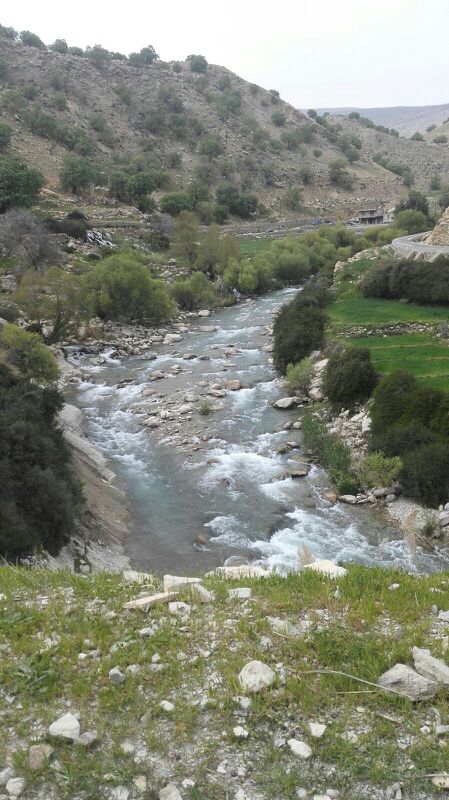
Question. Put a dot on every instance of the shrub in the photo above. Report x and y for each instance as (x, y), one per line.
(26, 352)
(299, 328)
(243, 205)
(5, 136)
(396, 440)
(376, 470)
(425, 473)
(279, 119)
(349, 377)
(411, 221)
(211, 147)
(20, 185)
(53, 296)
(26, 241)
(38, 494)
(415, 281)
(13, 101)
(293, 198)
(440, 139)
(32, 40)
(329, 449)
(59, 46)
(74, 224)
(299, 376)
(193, 292)
(146, 56)
(197, 63)
(246, 276)
(228, 103)
(339, 174)
(120, 288)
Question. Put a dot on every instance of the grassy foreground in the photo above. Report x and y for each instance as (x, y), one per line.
(357, 624)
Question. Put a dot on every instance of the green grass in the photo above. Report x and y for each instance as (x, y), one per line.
(355, 631)
(254, 247)
(371, 312)
(424, 356)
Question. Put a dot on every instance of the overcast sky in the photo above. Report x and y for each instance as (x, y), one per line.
(317, 53)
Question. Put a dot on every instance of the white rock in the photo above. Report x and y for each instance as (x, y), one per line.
(432, 668)
(317, 729)
(38, 754)
(6, 774)
(170, 792)
(15, 786)
(173, 583)
(321, 797)
(204, 312)
(284, 402)
(441, 780)
(150, 600)
(179, 608)
(241, 571)
(201, 593)
(120, 793)
(66, 727)
(444, 615)
(242, 593)
(327, 568)
(240, 733)
(350, 499)
(240, 795)
(116, 677)
(300, 749)
(166, 706)
(127, 747)
(140, 782)
(87, 739)
(407, 682)
(256, 676)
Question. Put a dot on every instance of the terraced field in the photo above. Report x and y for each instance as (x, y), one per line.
(421, 354)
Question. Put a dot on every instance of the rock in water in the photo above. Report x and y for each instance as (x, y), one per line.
(327, 568)
(170, 792)
(66, 727)
(284, 402)
(256, 676)
(300, 749)
(432, 668)
(407, 682)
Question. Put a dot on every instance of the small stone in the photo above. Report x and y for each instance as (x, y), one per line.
(149, 600)
(256, 676)
(239, 594)
(6, 774)
(202, 594)
(284, 403)
(127, 747)
(87, 739)
(38, 754)
(326, 568)
(140, 782)
(316, 729)
(66, 727)
(132, 669)
(116, 677)
(444, 615)
(240, 733)
(15, 786)
(179, 608)
(393, 586)
(300, 749)
(301, 793)
(120, 793)
(166, 706)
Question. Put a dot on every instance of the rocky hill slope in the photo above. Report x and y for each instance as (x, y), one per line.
(119, 111)
(406, 119)
(235, 687)
(422, 159)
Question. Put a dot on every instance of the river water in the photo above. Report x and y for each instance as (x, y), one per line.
(232, 486)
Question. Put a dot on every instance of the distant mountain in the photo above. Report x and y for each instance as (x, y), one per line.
(406, 119)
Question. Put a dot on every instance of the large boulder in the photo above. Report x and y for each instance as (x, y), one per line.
(408, 683)
(284, 403)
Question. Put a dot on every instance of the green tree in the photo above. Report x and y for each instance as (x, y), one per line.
(32, 40)
(375, 470)
(417, 137)
(293, 198)
(185, 240)
(349, 377)
(121, 288)
(279, 119)
(147, 55)
(20, 185)
(60, 46)
(174, 203)
(26, 352)
(211, 147)
(54, 296)
(5, 136)
(197, 63)
(340, 175)
(411, 221)
(98, 55)
(77, 174)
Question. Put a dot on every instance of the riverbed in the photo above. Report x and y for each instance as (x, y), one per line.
(223, 476)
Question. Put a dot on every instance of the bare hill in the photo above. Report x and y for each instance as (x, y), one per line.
(164, 113)
(406, 119)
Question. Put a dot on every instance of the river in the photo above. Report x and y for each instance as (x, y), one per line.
(225, 478)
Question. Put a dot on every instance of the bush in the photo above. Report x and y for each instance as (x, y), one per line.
(376, 470)
(415, 281)
(349, 377)
(425, 473)
(248, 277)
(299, 376)
(278, 118)
(440, 139)
(5, 136)
(293, 198)
(32, 40)
(197, 63)
(243, 205)
(20, 185)
(59, 46)
(411, 221)
(53, 296)
(74, 224)
(211, 147)
(120, 288)
(146, 56)
(339, 174)
(38, 494)
(299, 328)
(194, 292)
(329, 450)
(26, 352)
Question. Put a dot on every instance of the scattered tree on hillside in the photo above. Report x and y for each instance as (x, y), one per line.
(60, 46)
(26, 240)
(5, 136)
(147, 55)
(53, 297)
(26, 352)
(185, 240)
(77, 174)
(340, 175)
(197, 63)
(32, 40)
(19, 185)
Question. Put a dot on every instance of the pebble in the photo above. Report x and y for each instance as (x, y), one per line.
(256, 676)
(38, 755)
(66, 727)
(300, 749)
(316, 729)
(170, 792)
(240, 733)
(166, 706)
(127, 747)
(15, 786)
(116, 677)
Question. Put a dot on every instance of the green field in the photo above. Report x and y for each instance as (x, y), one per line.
(252, 247)
(421, 354)
(358, 310)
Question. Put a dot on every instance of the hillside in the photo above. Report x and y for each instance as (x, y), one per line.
(250, 688)
(166, 114)
(422, 159)
(406, 119)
